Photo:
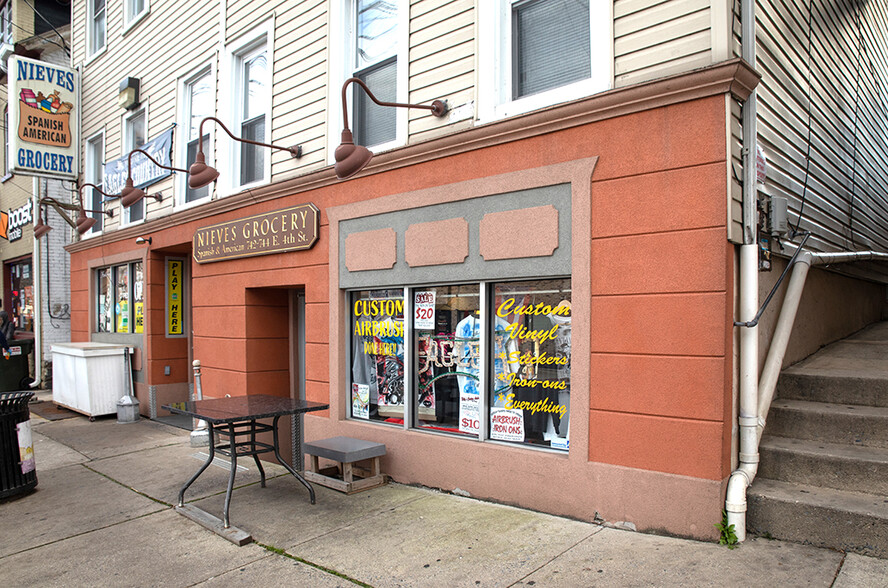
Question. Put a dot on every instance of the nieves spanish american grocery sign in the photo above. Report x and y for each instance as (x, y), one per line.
(290, 229)
(43, 118)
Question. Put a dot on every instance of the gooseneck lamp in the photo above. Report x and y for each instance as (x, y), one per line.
(351, 158)
(130, 194)
(83, 223)
(200, 174)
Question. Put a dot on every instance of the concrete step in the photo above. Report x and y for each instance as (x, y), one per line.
(831, 465)
(832, 423)
(798, 383)
(823, 517)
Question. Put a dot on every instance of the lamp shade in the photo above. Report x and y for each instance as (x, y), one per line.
(130, 195)
(200, 174)
(85, 223)
(350, 158)
(41, 229)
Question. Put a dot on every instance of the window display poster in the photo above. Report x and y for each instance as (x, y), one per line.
(469, 413)
(361, 401)
(139, 311)
(507, 424)
(174, 296)
(424, 310)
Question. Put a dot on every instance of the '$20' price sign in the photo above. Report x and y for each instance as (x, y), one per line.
(424, 310)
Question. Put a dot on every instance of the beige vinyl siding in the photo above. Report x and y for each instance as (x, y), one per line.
(822, 108)
(151, 51)
(442, 61)
(300, 86)
(658, 38)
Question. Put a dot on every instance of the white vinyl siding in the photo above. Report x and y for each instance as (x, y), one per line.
(822, 100)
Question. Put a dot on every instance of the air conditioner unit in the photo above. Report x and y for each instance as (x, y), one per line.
(5, 51)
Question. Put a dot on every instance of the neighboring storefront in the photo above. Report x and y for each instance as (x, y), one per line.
(536, 311)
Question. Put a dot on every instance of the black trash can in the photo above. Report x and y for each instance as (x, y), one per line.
(15, 373)
(18, 473)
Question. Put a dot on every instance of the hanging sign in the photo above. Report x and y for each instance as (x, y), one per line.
(43, 119)
(290, 229)
(175, 269)
(145, 172)
(424, 310)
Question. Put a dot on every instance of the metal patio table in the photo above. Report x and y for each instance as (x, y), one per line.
(235, 421)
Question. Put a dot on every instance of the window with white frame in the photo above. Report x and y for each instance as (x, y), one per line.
(6, 23)
(95, 17)
(94, 173)
(6, 140)
(135, 134)
(197, 103)
(542, 52)
(134, 10)
(374, 60)
(246, 77)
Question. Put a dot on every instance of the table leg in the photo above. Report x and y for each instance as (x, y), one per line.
(256, 455)
(202, 468)
(277, 454)
(233, 447)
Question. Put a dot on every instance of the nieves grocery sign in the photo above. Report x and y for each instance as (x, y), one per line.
(43, 118)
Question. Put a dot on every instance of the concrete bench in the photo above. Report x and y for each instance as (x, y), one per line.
(345, 451)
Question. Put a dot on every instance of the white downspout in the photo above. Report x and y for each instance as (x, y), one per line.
(742, 477)
(38, 295)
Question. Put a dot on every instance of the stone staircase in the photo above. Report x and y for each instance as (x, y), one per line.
(823, 472)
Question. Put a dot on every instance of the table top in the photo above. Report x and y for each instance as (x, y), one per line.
(243, 408)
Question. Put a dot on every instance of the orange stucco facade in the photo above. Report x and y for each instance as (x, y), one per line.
(653, 298)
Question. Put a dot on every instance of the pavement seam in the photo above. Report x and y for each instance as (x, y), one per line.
(284, 553)
(135, 518)
(139, 492)
(838, 570)
(520, 581)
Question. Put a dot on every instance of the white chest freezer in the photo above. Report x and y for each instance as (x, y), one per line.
(89, 377)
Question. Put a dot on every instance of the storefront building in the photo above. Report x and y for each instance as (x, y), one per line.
(529, 301)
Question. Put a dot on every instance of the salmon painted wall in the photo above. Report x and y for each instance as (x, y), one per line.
(659, 299)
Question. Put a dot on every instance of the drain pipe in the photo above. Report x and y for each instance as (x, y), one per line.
(742, 477)
(38, 295)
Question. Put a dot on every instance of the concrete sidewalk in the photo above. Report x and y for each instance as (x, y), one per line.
(102, 515)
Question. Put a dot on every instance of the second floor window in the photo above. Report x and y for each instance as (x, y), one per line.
(135, 134)
(197, 104)
(376, 64)
(536, 53)
(6, 23)
(134, 10)
(254, 89)
(94, 174)
(95, 26)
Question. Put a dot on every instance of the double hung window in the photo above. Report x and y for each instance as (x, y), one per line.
(488, 361)
(542, 52)
(375, 62)
(254, 92)
(197, 104)
(135, 134)
(134, 11)
(120, 302)
(95, 17)
(94, 173)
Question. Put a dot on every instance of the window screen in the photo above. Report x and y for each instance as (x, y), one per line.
(551, 45)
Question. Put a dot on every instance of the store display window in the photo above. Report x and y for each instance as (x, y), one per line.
(377, 355)
(120, 298)
(21, 281)
(531, 392)
(497, 371)
(447, 344)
